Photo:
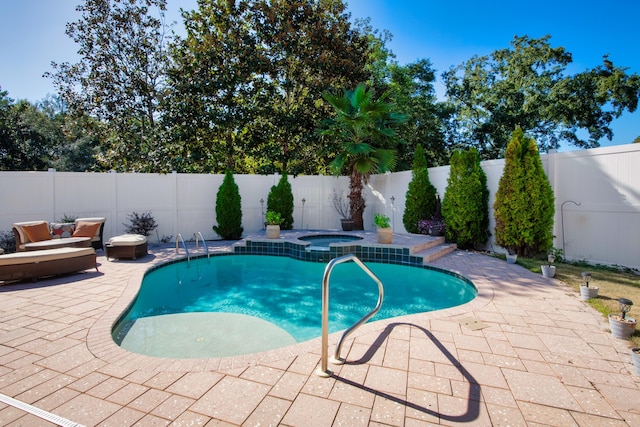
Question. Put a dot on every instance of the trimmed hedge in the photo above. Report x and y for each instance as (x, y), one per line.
(421, 196)
(524, 205)
(228, 209)
(465, 206)
(280, 200)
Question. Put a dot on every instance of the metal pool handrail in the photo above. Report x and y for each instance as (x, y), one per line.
(204, 242)
(184, 245)
(323, 371)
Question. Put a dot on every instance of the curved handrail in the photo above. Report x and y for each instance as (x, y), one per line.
(323, 371)
(184, 245)
(204, 242)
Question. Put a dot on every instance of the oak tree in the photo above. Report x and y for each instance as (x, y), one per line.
(527, 85)
(120, 78)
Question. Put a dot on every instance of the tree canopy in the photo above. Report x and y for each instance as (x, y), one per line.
(527, 85)
(215, 88)
(248, 79)
(243, 90)
(41, 136)
(120, 78)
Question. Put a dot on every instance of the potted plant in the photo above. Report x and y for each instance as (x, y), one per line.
(587, 292)
(341, 205)
(549, 270)
(622, 326)
(635, 355)
(512, 256)
(274, 219)
(385, 232)
(433, 226)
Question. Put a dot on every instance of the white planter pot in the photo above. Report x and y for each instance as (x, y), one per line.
(385, 235)
(273, 231)
(635, 355)
(549, 271)
(588, 293)
(511, 259)
(622, 329)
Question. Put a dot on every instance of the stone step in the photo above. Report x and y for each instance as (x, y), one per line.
(428, 243)
(434, 252)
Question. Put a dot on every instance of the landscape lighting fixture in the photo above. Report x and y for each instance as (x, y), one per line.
(586, 276)
(625, 306)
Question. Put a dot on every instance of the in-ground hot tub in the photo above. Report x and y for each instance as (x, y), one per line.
(321, 242)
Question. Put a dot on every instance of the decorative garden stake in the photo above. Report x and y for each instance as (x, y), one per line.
(587, 292)
(622, 326)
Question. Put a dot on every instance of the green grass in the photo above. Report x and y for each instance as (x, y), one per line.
(613, 282)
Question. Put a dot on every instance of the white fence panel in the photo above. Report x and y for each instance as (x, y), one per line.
(26, 196)
(602, 226)
(605, 226)
(195, 205)
(137, 192)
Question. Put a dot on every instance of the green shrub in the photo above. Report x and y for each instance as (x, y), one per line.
(7, 241)
(274, 218)
(281, 200)
(524, 205)
(382, 221)
(142, 223)
(465, 206)
(228, 209)
(421, 195)
(68, 219)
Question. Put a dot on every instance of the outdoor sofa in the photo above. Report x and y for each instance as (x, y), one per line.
(41, 235)
(47, 262)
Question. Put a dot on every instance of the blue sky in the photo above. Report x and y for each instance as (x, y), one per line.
(32, 34)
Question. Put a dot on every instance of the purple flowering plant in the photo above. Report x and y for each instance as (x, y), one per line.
(426, 226)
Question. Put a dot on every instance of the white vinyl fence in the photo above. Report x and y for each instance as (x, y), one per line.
(597, 200)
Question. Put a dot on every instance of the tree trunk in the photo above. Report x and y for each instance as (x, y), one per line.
(356, 201)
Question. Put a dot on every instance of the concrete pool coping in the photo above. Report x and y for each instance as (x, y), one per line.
(531, 353)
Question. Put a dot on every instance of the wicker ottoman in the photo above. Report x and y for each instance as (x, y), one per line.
(126, 246)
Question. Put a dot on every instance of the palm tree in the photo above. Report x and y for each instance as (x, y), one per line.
(363, 128)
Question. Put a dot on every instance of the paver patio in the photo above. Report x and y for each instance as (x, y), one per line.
(526, 351)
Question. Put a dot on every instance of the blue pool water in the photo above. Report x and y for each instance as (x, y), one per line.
(282, 292)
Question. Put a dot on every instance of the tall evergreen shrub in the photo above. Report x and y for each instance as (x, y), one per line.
(465, 206)
(228, 209)
(524, 205)
(421, 195)
(280, 200)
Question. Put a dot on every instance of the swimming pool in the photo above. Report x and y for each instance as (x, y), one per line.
(223, 305)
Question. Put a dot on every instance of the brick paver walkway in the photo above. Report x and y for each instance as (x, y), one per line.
(527, 351)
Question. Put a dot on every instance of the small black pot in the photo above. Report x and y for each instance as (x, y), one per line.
(347, 224)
